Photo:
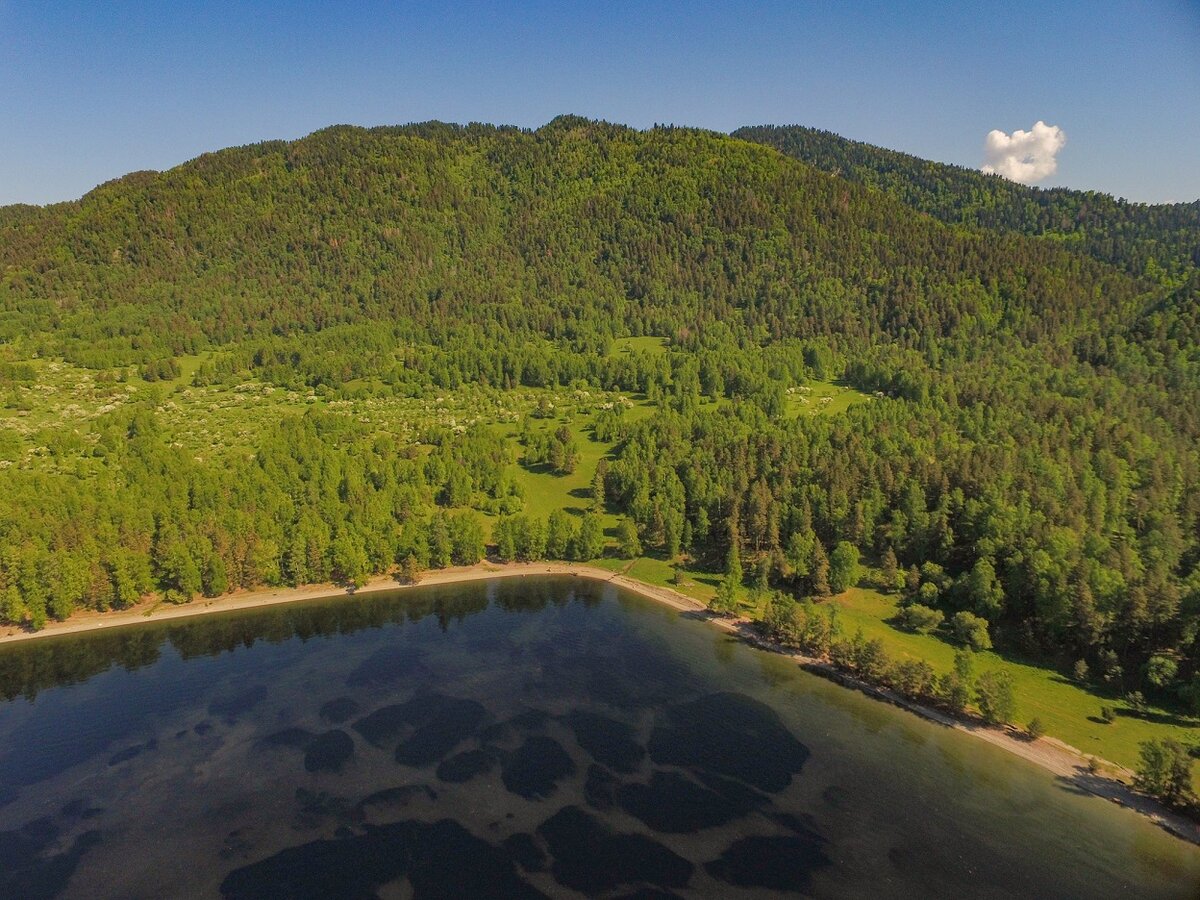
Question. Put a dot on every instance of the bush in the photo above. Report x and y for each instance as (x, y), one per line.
(1080, 672)
(971, 630)
(1035, 729)
(919, 619)
(1107, 714)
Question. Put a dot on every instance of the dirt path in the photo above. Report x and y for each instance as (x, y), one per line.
(1068, 764)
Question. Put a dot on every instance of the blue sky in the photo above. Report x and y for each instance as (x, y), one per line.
(92, 90)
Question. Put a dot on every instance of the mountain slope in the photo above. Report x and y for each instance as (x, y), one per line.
(578, 228)
(1141, 238)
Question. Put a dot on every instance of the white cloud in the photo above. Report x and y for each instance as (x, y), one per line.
(1024, 156)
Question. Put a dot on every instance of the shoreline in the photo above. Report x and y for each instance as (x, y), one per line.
(1066, 763)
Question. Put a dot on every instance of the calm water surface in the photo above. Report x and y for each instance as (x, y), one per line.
(516, 738)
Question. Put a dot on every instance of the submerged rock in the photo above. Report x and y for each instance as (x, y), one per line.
(729, 734)
(590, 858)
(440, 723)
(609, 741)
(329, 752)
(465, 766)
(780, 863)
(339, 710)
(230, 706)
(441, 859)
(672, 803)
(533, 769)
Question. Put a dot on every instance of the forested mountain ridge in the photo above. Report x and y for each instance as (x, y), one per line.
(578, 228)
(1156, 239)
(1028, 454)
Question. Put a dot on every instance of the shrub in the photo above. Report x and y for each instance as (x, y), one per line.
(1035, 729)
(920, 619)
(971, 630)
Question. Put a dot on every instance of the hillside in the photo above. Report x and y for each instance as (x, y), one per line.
(398, 347)
(579, 231)
(1160, 240)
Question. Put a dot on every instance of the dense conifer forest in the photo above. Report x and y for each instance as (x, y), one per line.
(1024, 462)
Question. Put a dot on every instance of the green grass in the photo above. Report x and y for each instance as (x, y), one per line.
(822, 398)
(638, 344)
(1070, 712)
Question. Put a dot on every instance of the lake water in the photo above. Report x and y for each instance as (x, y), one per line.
(513, 738)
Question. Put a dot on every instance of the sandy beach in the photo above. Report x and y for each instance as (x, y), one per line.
(1065, 762)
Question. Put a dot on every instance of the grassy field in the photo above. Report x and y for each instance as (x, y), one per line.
(638, 344)
(822, 398)
(1069, 712)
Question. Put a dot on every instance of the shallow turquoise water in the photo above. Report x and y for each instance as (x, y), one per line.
(518, 737)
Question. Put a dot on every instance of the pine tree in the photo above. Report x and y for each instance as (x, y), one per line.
(819, 572)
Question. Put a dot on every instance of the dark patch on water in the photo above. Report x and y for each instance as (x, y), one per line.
(441, 859)
(386, 665)
(800, 824)
(329, 752)
(734, 791)
(319, 809)
(384, 724)
(465, 766)
(445, 723)
(393, 799)
(235, 845)
(338, 711)
(130, 752)
(495, 733)
(441, 723)
(525, 851)
(608, 686)
(289, 737)
(729, 734)
(609, 741)
(29, 868)
(530, 720)
(600, 789)
(590, 858)
(233, 705)
(533, 769)
(776, 862)
(203, 728)
(836, 797)
(673, 803)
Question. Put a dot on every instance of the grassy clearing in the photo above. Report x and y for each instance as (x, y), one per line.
(1070, 712)
(822, 398)
(627, 345)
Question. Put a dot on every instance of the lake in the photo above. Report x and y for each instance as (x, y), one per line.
(521, 737)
